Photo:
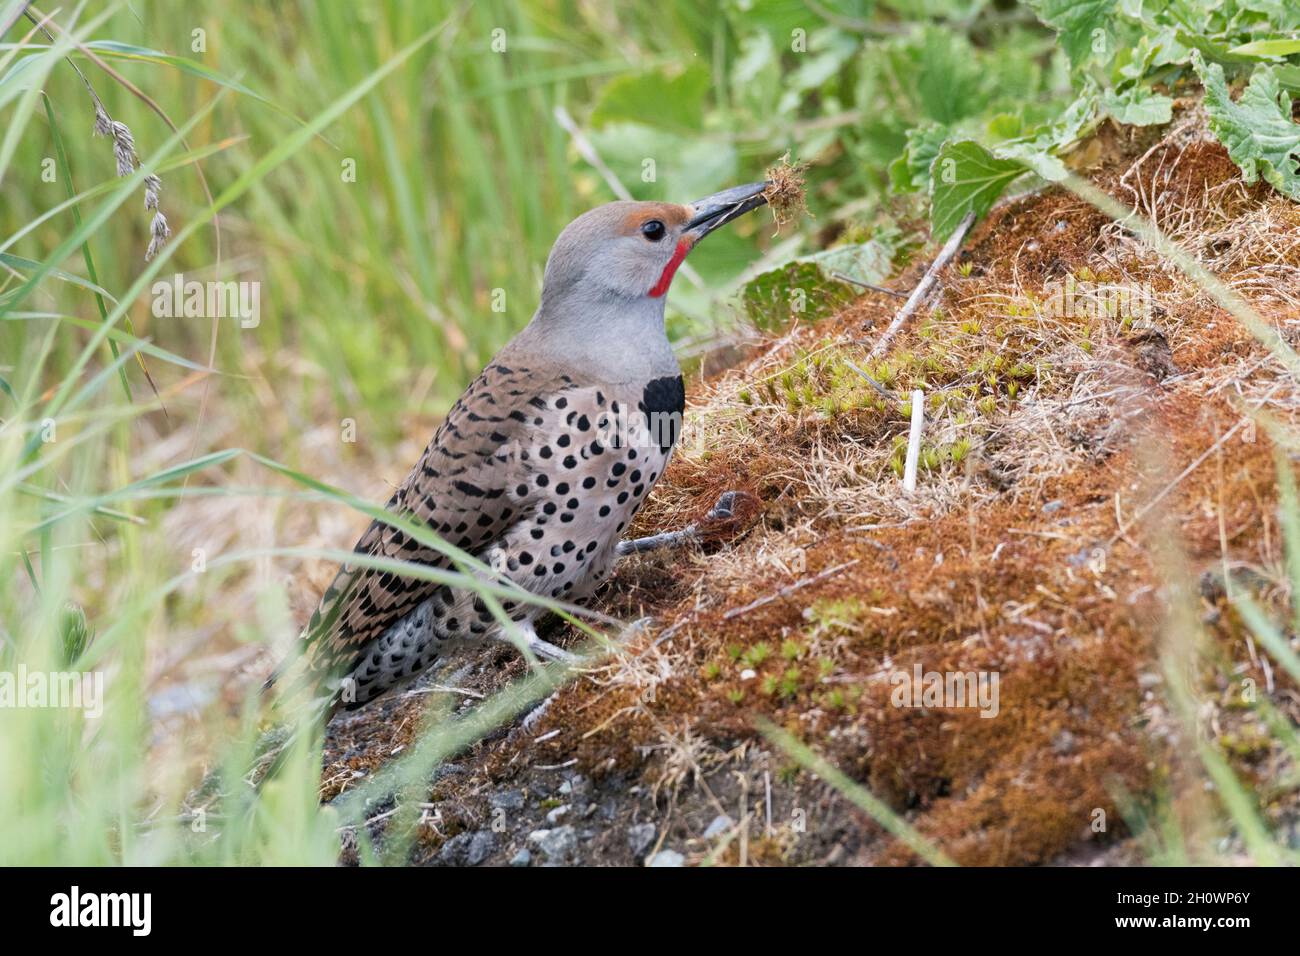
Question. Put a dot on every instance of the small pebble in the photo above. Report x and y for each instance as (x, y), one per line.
(721, 824)
(507, 800)
(558, 845)
(640, 836)
(481, 846)
(667, 858)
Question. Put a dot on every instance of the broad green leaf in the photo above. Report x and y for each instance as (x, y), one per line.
(828, 51)
(1034, 155)
(871, 262)
(655, 98)
(1288, 77)
(797, 290)
(965, 178)
(1256, 129)
(1084, 26)
(1212, 50)
(910, 172)
(1154, 50)
(949, 80)
(1138, 106)
(686, 168)
(1268, 48)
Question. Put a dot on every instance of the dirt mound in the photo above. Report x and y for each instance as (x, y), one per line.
(1078, 393)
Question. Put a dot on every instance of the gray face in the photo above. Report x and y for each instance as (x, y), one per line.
(602, 309)
(631, 250)
(620, 249)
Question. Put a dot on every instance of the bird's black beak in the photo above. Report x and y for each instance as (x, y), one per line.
(721, 208)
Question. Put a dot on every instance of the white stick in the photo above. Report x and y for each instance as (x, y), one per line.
(914, 441)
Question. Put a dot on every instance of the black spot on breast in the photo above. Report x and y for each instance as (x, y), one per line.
(666, 394)
(662, 403)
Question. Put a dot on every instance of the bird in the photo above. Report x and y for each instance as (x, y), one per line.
(537, 469)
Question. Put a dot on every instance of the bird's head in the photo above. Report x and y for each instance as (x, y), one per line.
(631, 250)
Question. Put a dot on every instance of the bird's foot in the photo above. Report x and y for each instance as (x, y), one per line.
(549, 652)
(723, 510)
(524, 638)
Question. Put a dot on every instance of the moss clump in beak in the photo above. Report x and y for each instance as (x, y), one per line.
(785, 190)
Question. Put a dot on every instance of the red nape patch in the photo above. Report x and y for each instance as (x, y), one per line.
(666, 279)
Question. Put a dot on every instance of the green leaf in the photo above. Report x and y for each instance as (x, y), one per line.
(19, 264)
(1212, 50)
(796, 290)
(1268, 48)
(112, 49)
(655, 98)
(1288, 77)
(870, 262)
(686, 167)
(1138, 106)
(1082, 25)
(1257, 129)
(965, 178)
(910, 172)
(1033, 155)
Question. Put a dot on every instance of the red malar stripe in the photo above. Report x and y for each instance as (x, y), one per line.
(666, 279)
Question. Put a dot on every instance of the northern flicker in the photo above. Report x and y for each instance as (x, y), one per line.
(542, 462)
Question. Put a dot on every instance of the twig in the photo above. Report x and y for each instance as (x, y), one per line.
(884, 393)
(867, 285)
(914, 441)
(925, 286)
(788, 590)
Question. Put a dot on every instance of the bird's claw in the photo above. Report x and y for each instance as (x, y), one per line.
(724, 508)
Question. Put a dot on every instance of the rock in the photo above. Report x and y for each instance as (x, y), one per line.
(667, 858)
(522, 858)
(507, 800)
(455, 850)
(481, 845)
(721, 824)
(577, 786)
(639, 838)
(558, 845)
(1053, 506)
(748, 674)
(557, 814)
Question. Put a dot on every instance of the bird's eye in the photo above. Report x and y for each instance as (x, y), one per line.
(653, 230)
